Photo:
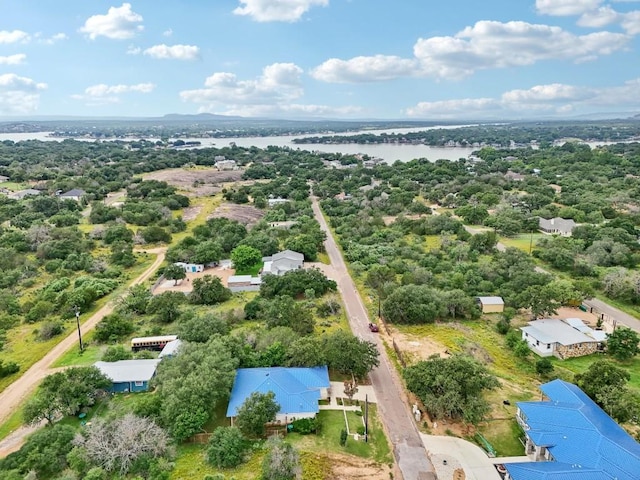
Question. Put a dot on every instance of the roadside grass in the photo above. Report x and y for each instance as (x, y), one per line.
(323, 258)
(74, 357)
(522, 241)
(12, 423)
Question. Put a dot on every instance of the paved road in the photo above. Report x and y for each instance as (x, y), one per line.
(620, 317)
(16, 393)
(410, 453)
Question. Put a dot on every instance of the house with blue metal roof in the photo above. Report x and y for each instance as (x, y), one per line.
(570, 437)
(297, 390)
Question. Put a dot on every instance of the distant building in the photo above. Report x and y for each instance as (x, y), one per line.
(244, 283)
(282, 262)
(19, 195)
(76, 195)
(129, 375)
(191, 267)
(513, 176)
(567, 436)
(562, 338)
(3, 179)
(491, 304)
(557, 226)
(276, 201)
(170, 349)
(225, 164)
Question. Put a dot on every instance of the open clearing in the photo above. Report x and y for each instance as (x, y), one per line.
(244, 214)
(196, 182)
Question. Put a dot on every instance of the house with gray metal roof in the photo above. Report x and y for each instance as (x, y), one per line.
(562, 338)
(569, 437)
(557, 226)
(283, 262)
(129, 375)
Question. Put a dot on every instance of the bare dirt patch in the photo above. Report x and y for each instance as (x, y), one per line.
(196, 182)
(345, 467)
(190, 213)
(245, 214)
(186, 285)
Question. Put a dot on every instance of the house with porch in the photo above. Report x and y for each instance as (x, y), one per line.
(557, 226)
(129, 375)
(567, 436)
(562, 338)
(297, 390)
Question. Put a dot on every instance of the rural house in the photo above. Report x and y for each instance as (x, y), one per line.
(557, 226)
(282, 262)
(191, 267)
(76, 195)
(491, 304)
(568, 436)
(297, 390)
(562, 338)
(129, 375)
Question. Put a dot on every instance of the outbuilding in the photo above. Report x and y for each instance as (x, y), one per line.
(491, 304)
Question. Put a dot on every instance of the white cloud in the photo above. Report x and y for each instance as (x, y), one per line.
(102, 93)
(133, 50)
(485, 45)
(279, 83)
(119, 23)
(364, 69)
(563, 8)
(13, 36)
(277, 10)
(54, 38)
(16, 59)
(631, 22)
(173, 52)
(168, 32)
(19, 94)
(552, 99)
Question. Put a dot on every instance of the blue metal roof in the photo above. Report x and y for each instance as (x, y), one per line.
(297, 390)
(585, 442)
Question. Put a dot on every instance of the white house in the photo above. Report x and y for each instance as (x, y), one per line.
(282, 262)
(276, 201)
(224, 164)
(191, 267)
(557, 226)
(562, 338)
(75, 194)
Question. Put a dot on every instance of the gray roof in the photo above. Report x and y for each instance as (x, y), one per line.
(170, 348)
(491, 300)
(76, 192)
(24, 193)
(553, 330)
(129, 370)
(288, 254)
(560, 224)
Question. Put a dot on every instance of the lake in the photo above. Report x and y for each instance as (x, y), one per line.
(389, 152)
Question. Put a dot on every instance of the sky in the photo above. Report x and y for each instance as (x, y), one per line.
(340, 59)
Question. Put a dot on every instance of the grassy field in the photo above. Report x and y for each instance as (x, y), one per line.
(74, 357)
(522, 241)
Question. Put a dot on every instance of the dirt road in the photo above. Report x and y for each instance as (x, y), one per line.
(16, 393)
(409, 451)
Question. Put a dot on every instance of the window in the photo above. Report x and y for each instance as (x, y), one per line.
(138, 384)
(548, 346)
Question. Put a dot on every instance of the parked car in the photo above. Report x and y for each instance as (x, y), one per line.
(373, 327)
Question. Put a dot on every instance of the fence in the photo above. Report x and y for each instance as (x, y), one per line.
(200, 438)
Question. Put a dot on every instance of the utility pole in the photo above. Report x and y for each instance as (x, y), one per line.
(79, 332)
(366, 418)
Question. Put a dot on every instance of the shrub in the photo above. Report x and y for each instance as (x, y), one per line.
(343, 437)
(50, 330)
(503, 326)
(8, 368)
(305, 426)
(360, 430)
(115, 353)
(227, 447)
(544, 366)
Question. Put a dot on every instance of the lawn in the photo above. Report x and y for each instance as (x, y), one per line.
(504, 435)
(523, 241)
(74, 357)
(253, 270)
(567, 368)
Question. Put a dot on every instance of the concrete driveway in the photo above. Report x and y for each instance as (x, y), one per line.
(449, 453)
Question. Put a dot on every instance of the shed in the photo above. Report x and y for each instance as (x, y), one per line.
(170, 349)
(129, 375)
(297, 390)
(491, 304)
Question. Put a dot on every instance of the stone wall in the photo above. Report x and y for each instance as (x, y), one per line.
(576, 350)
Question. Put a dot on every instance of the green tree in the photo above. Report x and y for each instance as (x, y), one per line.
(245, 257)
(115, 353)
(544, 366)
(286, 312)
(227, 447)
(452, 387)
(348, 354)
(174, 272)
(623, 343)
(256, 411)
(600, 375)
(166, 306)
(200, 328)
(206, 252)
(112, 327)
(282, 461)
(209, 290)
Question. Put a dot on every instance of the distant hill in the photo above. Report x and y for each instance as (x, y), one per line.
(200, 117)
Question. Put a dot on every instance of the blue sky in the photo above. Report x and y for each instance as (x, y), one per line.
(395, 59)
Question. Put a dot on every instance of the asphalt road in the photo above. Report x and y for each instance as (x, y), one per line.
(409, 451)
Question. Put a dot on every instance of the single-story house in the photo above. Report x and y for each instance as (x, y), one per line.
(191, 267)
(282, 262)
(76, 195)
(276, 201)
(568, 436)
(562, 338)
(224, 164)
(297, 390)
(20, 194)
(557, 226)
(284, 225)
(513, 176)
(244, 283)
(491, 304)
(129, 375)
(170, 349)
(4, 178)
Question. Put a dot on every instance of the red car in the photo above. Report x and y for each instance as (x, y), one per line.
(373, 327)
